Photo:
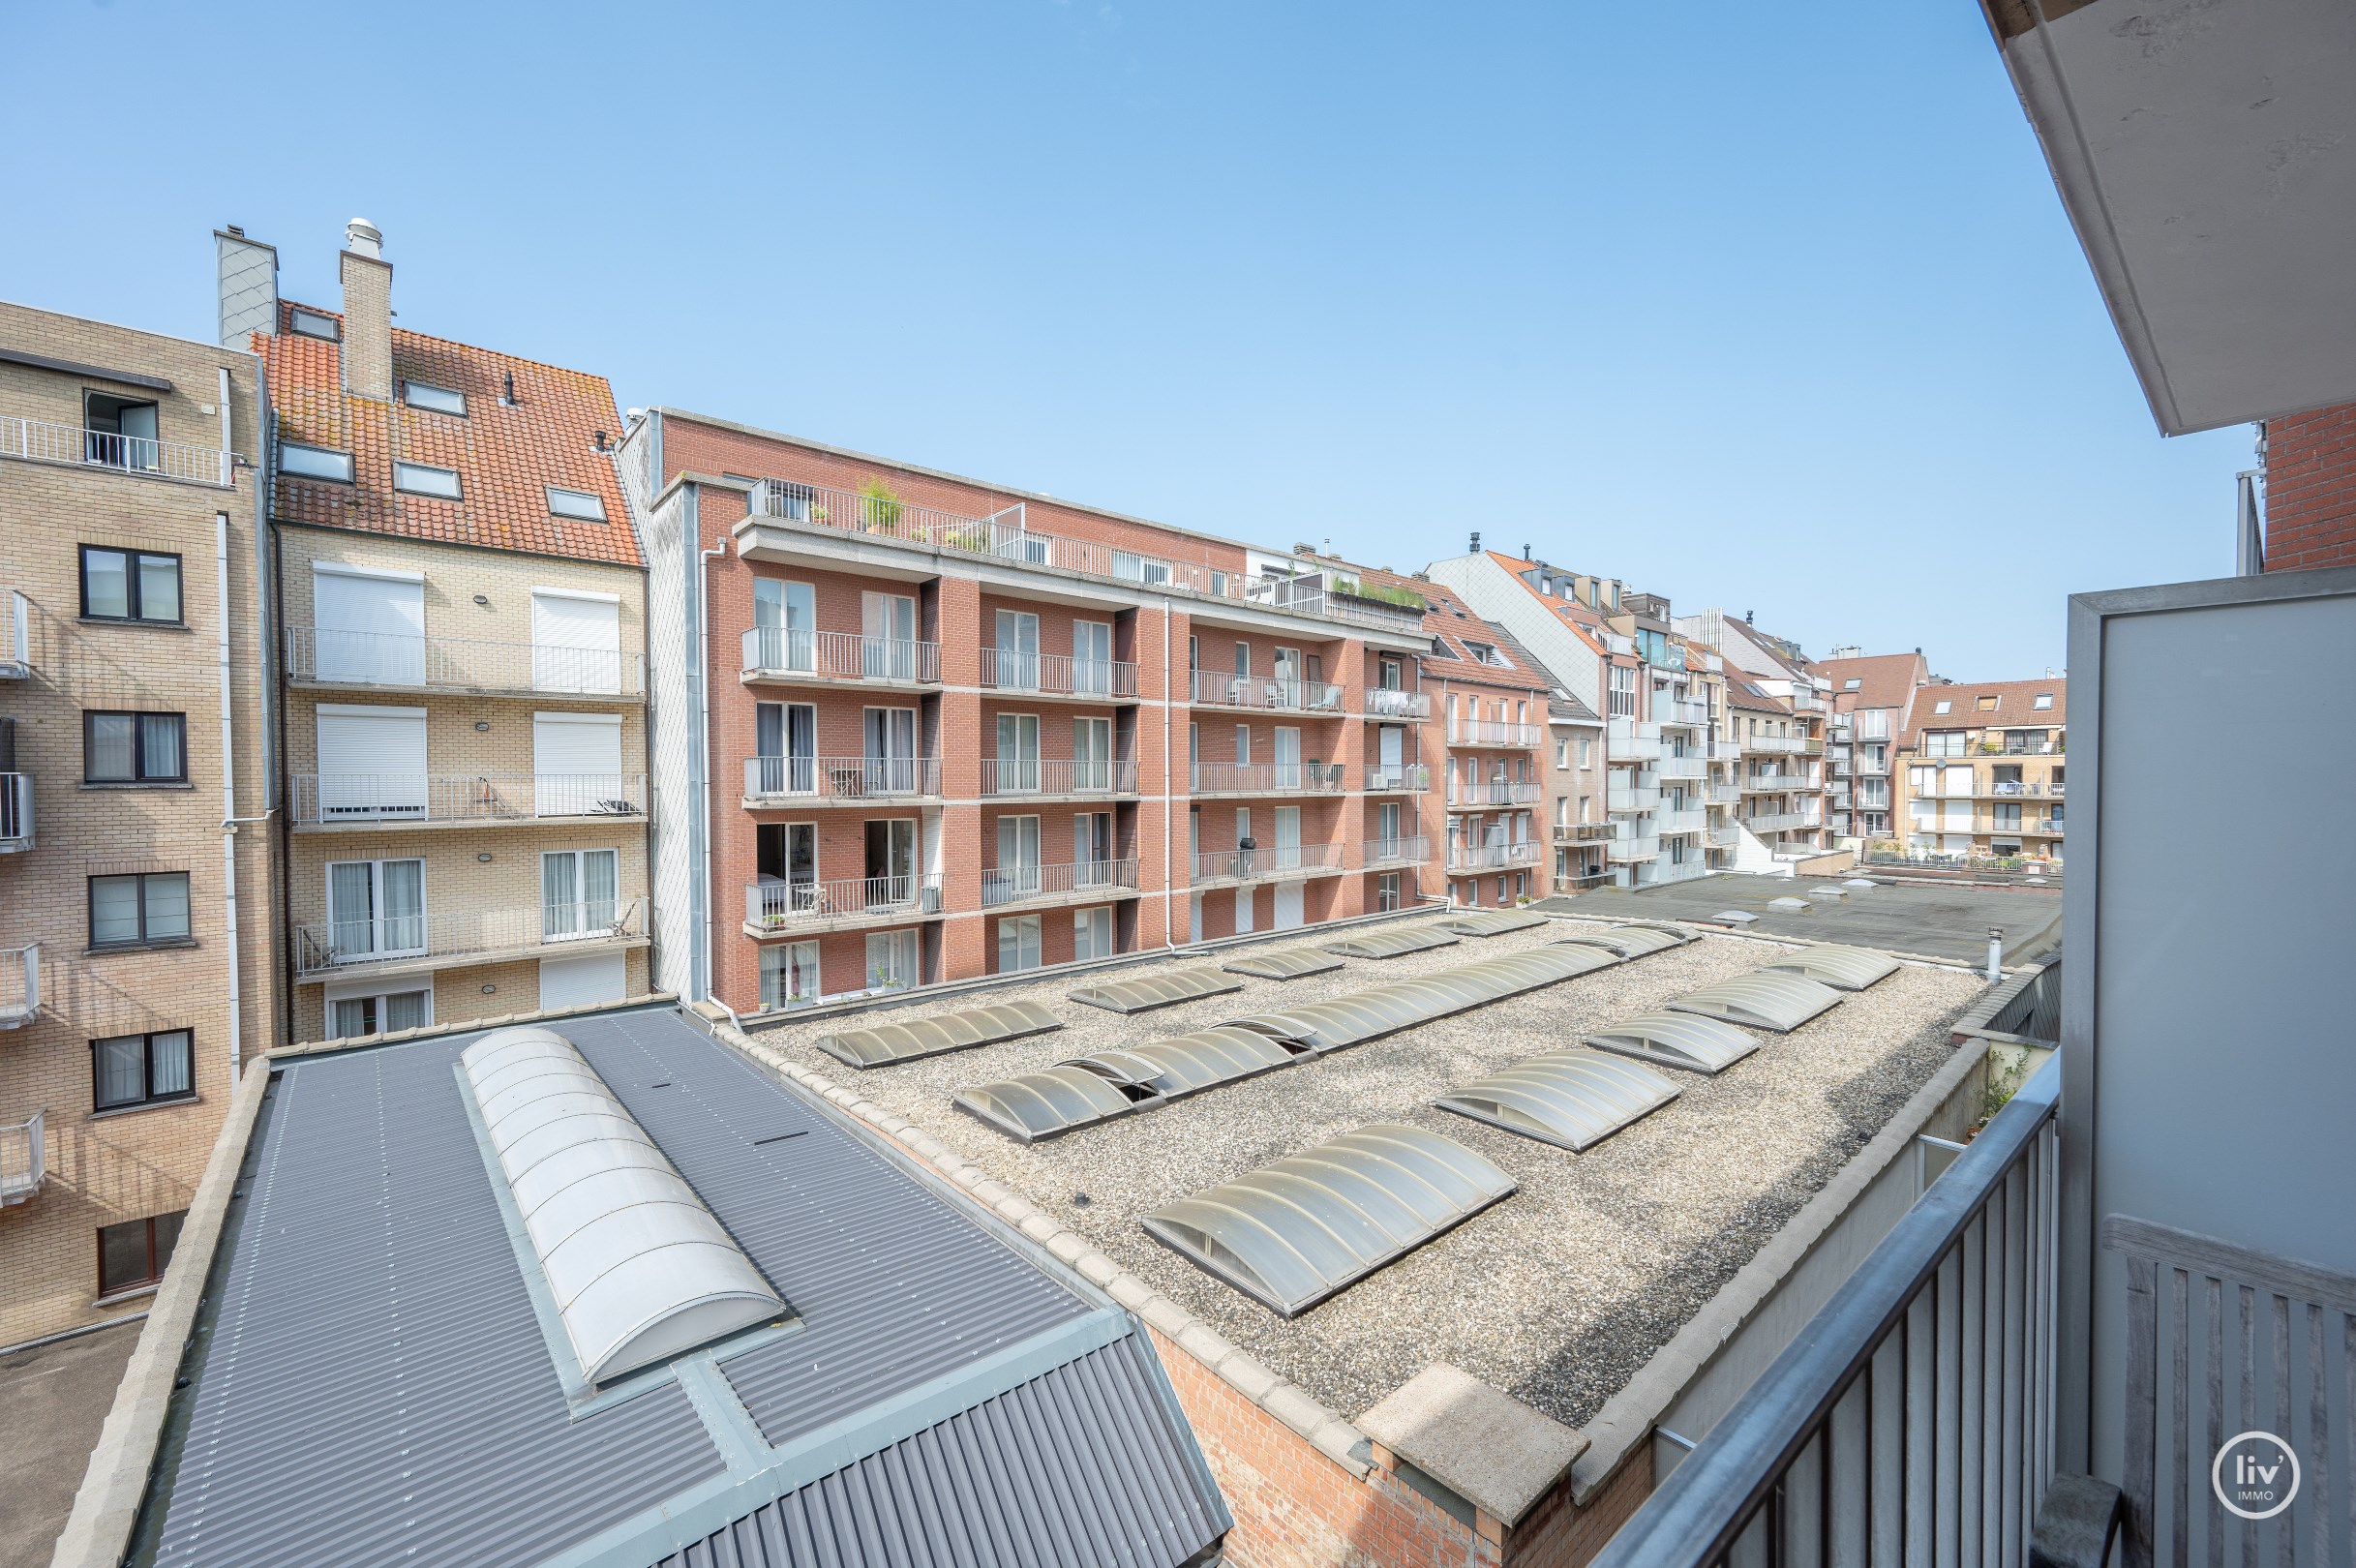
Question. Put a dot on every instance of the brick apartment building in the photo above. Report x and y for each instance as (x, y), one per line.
(464, 658)
(137, 958)
(1983, 769)
(2310, 466)
(1779, 741)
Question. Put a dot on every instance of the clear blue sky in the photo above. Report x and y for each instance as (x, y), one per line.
(1754, 307)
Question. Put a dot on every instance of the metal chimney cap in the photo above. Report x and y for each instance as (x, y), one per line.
(363, 238)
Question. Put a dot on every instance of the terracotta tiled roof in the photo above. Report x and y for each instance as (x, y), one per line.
(2016, 708)
(1883, 680)
(507, 458)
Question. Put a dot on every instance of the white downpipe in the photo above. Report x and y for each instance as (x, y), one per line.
(703, 738)
(229, 779)
(1169, 796)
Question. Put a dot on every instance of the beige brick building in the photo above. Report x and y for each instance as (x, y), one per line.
(136, 957)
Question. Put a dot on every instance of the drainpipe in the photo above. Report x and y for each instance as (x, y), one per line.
(703, 738)
(228, 785)
(1170, 798)
(2249, 533)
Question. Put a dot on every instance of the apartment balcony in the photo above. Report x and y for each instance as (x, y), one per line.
(1776, 822)
(1383, 853)
(374, 802)
(1335, 598)
(2024, 828)
(24, 1159)
(1725, 837)
(1776, 745)
(773, 781)
(326, 658)
(1210, 779)
(1722, 794)
(1402, 778)
(1058, 675)
(1077, 882)
(1495, 733)
(1660, 873)
(1811, 747)
(1580, 881)
(1631, 848)
(1683, 715)
(1491, 857)
(15, 636)
(1770, 783)
(1669, 823)
(1267, 693)
(1278, 863)
(782, 906)
(1502, 792)
(774, 655)
(1803, 701)
(1584, 833)
(1056, 778)
(416, 944)
(16, 813)
(1627, 739)
(35, 441)
(1690, 766)
(1994, 746)
(1725, 751)
(2013, 790)
(1382, 703)
(1634, 797)
(19, 985)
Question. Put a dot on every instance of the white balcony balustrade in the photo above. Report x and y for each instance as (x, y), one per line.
(1003, 777)
(1496, 792)
(1471, 731)
(1491, 855)
(16, 813)
(1584, 833)
(19, 985)
(777, 653)
(802, 779)
(1257, 864)
(1057, 675)
(1395, 777)
(778, 905)
(35, 441)
(476, 799)
(1410, 851)
(445, 937)
(1692, 766)
(1214, 689)
(325, 656)
(24, 1158)
(1266, 778)
(1382, 703)
(1074, 880)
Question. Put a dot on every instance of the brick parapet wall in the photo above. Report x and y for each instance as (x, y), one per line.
(2311, 489)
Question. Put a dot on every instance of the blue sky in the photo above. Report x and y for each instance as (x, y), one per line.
(1785, 319)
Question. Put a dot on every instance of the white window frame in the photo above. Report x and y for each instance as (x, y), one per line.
(377, 949)
(305, 323)
(378, 991)
(583, 930)
(792, 954)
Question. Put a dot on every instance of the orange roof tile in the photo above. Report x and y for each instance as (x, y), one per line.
(2015, 706)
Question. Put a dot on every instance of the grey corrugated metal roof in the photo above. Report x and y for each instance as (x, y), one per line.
(372, 1384)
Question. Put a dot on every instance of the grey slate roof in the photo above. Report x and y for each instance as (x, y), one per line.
(372, 1383)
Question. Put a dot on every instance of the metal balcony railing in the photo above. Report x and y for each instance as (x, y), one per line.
(843, 778)
(787, 654)
(15, 636)
(1016, 883)
(1775, 746)
(1633, 847)
(1912, 1419)
(329, 657)
(1057, 675)
(1382, 703)
(36, 440)
(16, 812)
(1987, 746)
(787, 905)
(1496, 792)
(1693, 766)
(461, 936)
(1494, 732)
(1684, 715)
(1251, 864)
(1319, 593)
(1770, 783)
(2011, 789)
(1412, 851)
(2030, 826)
(328, 798)
(1057, 775)
(1584, 833)
(1488, 856)
(1265, 778)
(1216, 690)
(24, 1158)
(1776, 822)
(1397, 776)
(19, 985)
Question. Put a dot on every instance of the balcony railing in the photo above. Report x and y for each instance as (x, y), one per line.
(1726, 838)
(794, 654)
(15, 636)
(841, 778)
(24, 1159)
(788, 905)
(1657, 873)
(1909, 1421)
(16, 812)
(1776, 822)
(328, 798)
(1999, 747)
(1382, 703)
(1776, 745)
(1686, 714)
(1496, 792)
(459, 936)
(1313, 594)
(1382, 778)
(1488, 856)
(1633, 799)
(2011, 789)
(1252, 864)
(1770, 783)
(1265, 778)
(1691, 766)
(330, 657)
(1057, 775)
(1213, 690)
(1584, 833)
(19, 985)
(1018, 884)
(2027, 827)
(1057, 675)
(1412, 851)
(1633, 847)
(1680, 822)
(1494, 732)
(39, 442)
(1723, 793)
(1725, 751)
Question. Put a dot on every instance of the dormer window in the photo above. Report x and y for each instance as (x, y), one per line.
(305, 323)
(434, 399)
(2042, 701)
(1943, 706)
(1987, 704)
(1852, 683)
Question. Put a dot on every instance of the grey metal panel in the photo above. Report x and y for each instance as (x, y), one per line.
(1084, 1465)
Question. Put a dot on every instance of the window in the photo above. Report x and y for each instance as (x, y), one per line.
(376, 909)
(313, 461)
(1852, 683)
(434, 399)
(1987, 704)
(313, 324)
(576, 504)
(130, 584)
(1586, 752)
(142, 1069)
(378, 1012)
(1562, 753)
(1092, 933)
(1019, 942)
(578, 894)
(891, 959)
(1386, 891)
(789, 974)
(2042, 701)
(135, 1253)
(421, 479)
(119, 432)
(134, 748)
(140, 910)
(1943, 706)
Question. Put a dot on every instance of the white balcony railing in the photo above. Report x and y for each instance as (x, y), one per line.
(16, 812)
(1723, 793)
(1691, 766)
(1774, 746)
(1251, 864)
(467, 935)
(1313, 593)
(1287, 696)
(1057, 775)
(15, 636)
(329, 657)
(24, 1159)
(841, 778)
(36, 440)
(1632, 848)
(1680, 822)
(1487, 857)
(784, 905)
(1386, 778)
(1410, 851)
(1584, 833)
(815, 655)
(1777, 822)
(1496, 792)
(328, 798)
(1684, 715)
(1726, 838)
(1470, 732)
(1266, 778)
(1381, 702)
(19, 985)
(1019, 883)
(1057, 675)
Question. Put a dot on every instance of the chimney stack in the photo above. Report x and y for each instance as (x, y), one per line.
(368, 313)
(1476, 541)
(248, 286)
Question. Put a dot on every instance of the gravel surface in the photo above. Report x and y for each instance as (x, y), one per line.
(1559, 1294)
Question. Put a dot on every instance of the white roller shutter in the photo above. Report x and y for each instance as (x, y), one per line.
(371, 762)
(576, 764)
(369, 627)
(576, 642)
(575, 982)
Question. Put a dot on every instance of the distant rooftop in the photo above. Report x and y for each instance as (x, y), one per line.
(1949, 924)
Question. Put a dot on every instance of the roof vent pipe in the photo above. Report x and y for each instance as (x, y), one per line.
(507, 389)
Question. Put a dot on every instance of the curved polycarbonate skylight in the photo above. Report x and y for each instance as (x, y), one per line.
(1683, 1040)
(889, 1042)
(1392, 942)
(1294, 1232)
(1837, 895)
(1150, 991)
(1045, 1105)
(1351, 1020)
(1776, 1002)
(639, 1267)
(1627, 940)
(1489, 922)
(1574, 1098)
(1186, 1063)
(1844, 969)
(1283, 964)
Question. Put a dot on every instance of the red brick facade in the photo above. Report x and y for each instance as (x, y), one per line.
(2311, 489)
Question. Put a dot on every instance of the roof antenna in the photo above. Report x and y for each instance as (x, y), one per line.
(507, 389)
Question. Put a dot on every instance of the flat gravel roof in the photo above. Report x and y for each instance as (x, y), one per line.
(1913, 918)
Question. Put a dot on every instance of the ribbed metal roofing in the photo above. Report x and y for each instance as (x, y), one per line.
(1629, 941)
(1284, 964)
(1150, 991)
(1293, 1233)
(1048, 1103)
(889, 1042)
(1573, 1098)
(1683, 1040)
(1489, 922)
(1844, 969)
(1351, 1020)
(1778, 1002)
(1392, 942)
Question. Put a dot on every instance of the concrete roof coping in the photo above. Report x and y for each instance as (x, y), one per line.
(1483, 1443)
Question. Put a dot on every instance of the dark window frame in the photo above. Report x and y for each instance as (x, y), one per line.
(462, 412)
(143, 940)
(147, 1071)
(294, 324)
(132, 557)
(138, 746)
(156, 1265)
(458, 494)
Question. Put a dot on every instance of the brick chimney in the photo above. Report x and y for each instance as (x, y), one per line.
(368, 313)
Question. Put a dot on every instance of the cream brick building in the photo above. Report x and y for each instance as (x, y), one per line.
(137, 964)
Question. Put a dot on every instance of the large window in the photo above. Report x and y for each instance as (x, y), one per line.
(142, 1069)
(1092, 933)
(578, 892)
(134, 748)
(424, 479)
(891, 959)
(1019, 942)
(130, 584)
(140, 910)
(135, 1253)
(120, 433)
(376, 909)
(789, 974)
(379, 1014)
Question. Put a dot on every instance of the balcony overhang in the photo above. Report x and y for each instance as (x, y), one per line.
(2207, 160)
